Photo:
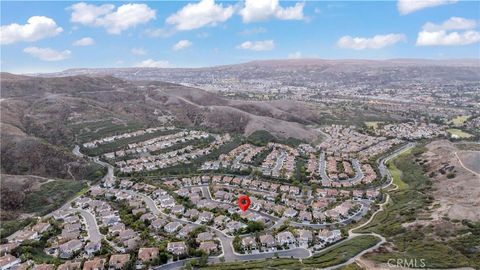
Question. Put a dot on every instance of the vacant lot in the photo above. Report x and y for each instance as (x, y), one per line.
(457, 195)
(459, 120)
(415, 223)
(459, 133)
(372, 124)
(470, 159)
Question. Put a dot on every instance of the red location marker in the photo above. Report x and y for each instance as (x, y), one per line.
(244, 202)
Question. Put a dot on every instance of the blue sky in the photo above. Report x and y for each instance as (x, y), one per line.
(45, 36)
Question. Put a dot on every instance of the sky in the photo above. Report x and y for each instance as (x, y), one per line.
(48, 36)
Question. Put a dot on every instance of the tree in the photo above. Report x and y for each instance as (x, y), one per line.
(237, 246)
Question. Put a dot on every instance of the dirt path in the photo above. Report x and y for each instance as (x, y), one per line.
(465, 167)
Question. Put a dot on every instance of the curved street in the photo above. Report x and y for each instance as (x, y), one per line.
(228, 253)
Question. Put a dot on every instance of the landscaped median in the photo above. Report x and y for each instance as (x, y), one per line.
(336, 255)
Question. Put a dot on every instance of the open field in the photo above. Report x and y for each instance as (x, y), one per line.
(372, 124)
(397, 176)
(51, 196)
(468, 146)
(459, 133)
(455, 188)
(471, 160)
(337, 255)
(459, 120)
(411, 226)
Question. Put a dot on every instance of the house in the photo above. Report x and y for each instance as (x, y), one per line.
(147, 216)
(218, 221)
(116, 229)
(168, 203)
(205, 216)
(95, 264)
(290, 213)
(147, 254)
(41, 227)
(43, 267)
(72, 219)
(72, 227)
(69, 265)
(126, 235)
(8, 247)
(23, 235)
(92, 247)
(191, 214)
(304, 236)
(139, 211)
(328, 236)
(305, 216)
(234, 226)
(8, 262)
(267, 240)
(118, 261)
(285, 238)
(177, 248)
(183, 233)
(68, 249)
(172, 227)
(204, 236)
(178, 209)
(208, 246)
(158, 223)
(249, 242)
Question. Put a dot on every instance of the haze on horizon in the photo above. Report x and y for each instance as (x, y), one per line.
(55, 36)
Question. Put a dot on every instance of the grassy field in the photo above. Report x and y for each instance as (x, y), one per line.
(8, 227)
(459, 133)
(372, 124)
(408, 204)
(397, 174)
(94, 130)
(51, 196)
(334, 256)
(459, 120)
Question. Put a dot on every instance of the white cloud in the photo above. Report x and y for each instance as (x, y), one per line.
(182, 44)
(376, 42)
(442, 38)
(150, 63)
(47, 54)
(138, 51)
(256, 10)
(441, 34)
(253, 31)
(197, 15)
(86, 41)
(265, 45)
(454, 23)
(409, 6)
(295, 55)
(36, 28)
(159, 32)
(114, 21)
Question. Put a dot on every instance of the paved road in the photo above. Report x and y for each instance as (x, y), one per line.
(92, 227)
(109, 175)
(326, 180)
(208, 195)
(228, 252)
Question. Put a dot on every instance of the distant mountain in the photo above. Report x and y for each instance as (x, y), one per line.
(41, 118)
(314, 70)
